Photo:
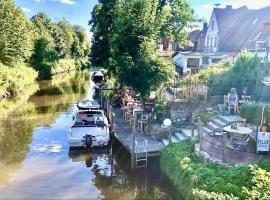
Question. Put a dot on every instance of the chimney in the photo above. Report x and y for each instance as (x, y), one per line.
(228, 6)
(205, 26)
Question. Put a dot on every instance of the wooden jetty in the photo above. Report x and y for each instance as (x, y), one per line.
(124, 134)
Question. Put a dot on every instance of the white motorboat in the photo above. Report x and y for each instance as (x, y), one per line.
(87, 104)
(90, 129)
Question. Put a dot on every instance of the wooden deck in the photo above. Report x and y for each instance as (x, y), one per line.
(123, 133)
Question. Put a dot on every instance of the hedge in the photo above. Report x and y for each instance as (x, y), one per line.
(187, 172)
(253, 112)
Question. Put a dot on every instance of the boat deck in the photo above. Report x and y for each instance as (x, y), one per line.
(123, 133)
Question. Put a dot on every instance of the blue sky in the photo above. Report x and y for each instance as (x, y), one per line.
(78, 11)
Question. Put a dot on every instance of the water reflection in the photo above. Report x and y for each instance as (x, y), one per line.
(36, 162)
(20, 116)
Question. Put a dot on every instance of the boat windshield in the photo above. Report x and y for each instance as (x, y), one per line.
(89, 118)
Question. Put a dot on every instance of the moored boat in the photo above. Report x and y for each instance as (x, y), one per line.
(90, 128)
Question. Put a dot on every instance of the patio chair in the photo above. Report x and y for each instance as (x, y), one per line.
(142, 121)
(217, 133)
(239, 144)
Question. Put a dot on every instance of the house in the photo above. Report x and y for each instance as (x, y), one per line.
(229, 32)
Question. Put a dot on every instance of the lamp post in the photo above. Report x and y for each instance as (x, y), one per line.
(168, 124)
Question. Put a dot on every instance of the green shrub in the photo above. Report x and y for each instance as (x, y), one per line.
(187, 172)
(252, 112)
(15, 79)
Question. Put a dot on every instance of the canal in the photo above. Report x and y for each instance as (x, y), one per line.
(36, 162)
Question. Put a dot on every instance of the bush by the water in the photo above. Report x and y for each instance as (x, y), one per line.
(253, 112)
(187, 172)
(15, 79)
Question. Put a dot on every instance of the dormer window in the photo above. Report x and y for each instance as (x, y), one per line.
(213, 25)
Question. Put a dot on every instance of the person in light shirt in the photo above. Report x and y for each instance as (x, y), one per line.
(233, 100)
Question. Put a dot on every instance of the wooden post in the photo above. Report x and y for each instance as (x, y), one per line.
(133, 142)
(111, 118)
(170, 135)
(225, 139)
(193, 123)
(107, 105)
(200, 133)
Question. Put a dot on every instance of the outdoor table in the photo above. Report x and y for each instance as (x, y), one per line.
(241, 131)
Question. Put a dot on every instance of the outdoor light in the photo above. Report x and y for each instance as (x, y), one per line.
(167, 122)
(152, 95)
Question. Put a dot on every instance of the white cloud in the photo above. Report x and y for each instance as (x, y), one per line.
(69, 2)
(26, 10)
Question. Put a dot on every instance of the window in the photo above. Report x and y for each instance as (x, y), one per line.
(213, 25)
(211, 41)
(215, 41)
(207, 41)
(205, 60)
(193, 62)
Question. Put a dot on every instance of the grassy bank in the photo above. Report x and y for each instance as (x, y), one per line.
(15, 79)
(187, 172)
(48, 69)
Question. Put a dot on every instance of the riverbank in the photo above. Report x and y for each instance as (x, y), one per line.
(48, 69)
(14, 80)
(183, 167)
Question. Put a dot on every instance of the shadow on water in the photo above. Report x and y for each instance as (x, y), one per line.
(117, 181)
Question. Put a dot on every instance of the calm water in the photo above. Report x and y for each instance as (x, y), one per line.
(36, 162)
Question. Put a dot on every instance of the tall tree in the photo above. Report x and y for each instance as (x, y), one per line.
(15, 34)
(66, 39)
(80, 47)
(179, 16)
(102, 27)
(44, 44)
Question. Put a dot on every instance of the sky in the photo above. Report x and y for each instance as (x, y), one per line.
(79, 11)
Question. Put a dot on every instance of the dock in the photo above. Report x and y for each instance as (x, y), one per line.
(123, 133)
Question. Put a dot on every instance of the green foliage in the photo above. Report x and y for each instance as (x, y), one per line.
(203, 195)
(259, 190)
(55, 42)
(206, 116)
(175, 15)
(261, 185)
(223, 76)
(16, 42)
(126, 34)
(183, 167)
(253, 112)
(135, 62)
(102, 26)
(15, 79)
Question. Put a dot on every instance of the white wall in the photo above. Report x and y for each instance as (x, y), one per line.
(212, 34)
(181, 60)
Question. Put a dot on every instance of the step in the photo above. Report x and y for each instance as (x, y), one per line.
(206, 130)
(188, 133)
(165, 142)
(219, 123)
(180, 136)
(174, 139)
(230, 119)
(213, 126)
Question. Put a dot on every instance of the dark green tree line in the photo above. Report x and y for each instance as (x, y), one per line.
(39, 39)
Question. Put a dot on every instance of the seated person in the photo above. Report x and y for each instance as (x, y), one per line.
(127, 98)
(233, 100)
(244, 95)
